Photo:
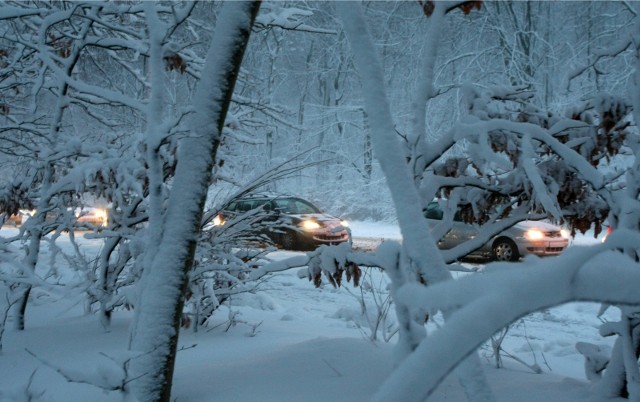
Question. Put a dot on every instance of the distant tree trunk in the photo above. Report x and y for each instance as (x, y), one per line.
(325, 92)
(22, 309)
(107, 276)
(32, 252)
(368, 151)
(154, 337)
(29, 265)
(546, 77)
(45, 194)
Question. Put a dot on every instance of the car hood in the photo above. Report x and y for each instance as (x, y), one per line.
(546, 226)
(324, 218)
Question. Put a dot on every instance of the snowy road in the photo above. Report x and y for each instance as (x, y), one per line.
(368, 235)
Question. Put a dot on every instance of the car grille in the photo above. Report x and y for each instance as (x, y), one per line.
(553, 234)
(545, 249)
(324, 237)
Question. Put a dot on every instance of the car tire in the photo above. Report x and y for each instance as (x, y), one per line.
(288, 241)
(505, 250)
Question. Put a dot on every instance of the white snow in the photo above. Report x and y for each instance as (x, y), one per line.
(289, 342)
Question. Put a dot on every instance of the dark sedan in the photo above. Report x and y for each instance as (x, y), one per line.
(290, 222)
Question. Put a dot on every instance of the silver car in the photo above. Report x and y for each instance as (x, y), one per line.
(528, 237)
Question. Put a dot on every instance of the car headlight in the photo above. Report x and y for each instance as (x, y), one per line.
(310, 225)
(534, 234)
(101, 214)
(217, 221)
(564, 233)
(344, 223)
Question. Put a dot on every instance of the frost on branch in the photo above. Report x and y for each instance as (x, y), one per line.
(596, 359)
(612, 110)
(518, 155)
(333, 261)
(452, 167)
(13, 198)
(289, 18)
(172, 59)
(465, 6)
(111, 376)
(604, 134)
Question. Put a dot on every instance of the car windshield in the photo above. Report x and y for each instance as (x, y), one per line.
(294, 206)
(245, 205)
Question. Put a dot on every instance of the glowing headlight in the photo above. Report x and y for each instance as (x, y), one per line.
(102, 214)
(310, 225)
(564, 233)
(344, 223)
(534, 234)
(217, 221)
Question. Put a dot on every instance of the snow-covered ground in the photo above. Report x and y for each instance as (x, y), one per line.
(289, 341)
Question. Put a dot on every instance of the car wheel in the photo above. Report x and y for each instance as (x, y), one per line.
(288, 241)
(505, 250)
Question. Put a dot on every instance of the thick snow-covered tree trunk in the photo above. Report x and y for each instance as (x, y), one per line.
(418, 246)
(622, 377)
(155, 331)
(419, 254)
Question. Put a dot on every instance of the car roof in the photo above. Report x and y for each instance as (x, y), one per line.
(264, 196)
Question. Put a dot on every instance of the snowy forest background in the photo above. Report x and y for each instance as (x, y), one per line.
(369, 110)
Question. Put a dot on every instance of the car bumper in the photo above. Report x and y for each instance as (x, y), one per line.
(543, 247)
(323, 237)
(94, 222)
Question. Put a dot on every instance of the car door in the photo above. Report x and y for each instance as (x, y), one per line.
(458, 233)
(434, 215)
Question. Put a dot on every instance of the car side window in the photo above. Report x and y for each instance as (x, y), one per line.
(244, 206)
(304, 208)
(283, 205)
(433, 211)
